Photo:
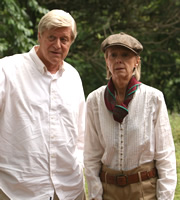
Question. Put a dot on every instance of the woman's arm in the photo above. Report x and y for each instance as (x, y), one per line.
(165, 153)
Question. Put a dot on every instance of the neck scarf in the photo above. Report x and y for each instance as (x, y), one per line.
(120, 111)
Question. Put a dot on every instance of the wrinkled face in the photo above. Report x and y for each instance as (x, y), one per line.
(54, 45)
(121, 62)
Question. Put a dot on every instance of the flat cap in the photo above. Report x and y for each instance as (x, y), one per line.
(122, 39)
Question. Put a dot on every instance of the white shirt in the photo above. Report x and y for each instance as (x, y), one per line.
(41, 129)
(143, 136)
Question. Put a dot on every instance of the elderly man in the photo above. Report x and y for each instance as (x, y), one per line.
(42, 117)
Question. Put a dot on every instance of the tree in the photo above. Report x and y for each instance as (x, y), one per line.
(17, 26)
(155, 23)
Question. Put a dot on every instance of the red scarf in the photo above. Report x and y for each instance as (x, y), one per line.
(120, 111)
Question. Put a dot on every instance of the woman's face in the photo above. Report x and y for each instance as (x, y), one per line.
(121, 62)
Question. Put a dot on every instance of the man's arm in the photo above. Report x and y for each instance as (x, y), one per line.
(2, 84)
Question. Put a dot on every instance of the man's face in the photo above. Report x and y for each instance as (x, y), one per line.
(54, 46)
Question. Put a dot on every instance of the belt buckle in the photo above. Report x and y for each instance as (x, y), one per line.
(123, 177)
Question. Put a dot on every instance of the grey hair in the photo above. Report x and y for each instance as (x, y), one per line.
(55, 19)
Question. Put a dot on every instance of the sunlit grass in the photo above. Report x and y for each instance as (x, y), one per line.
(175, 125)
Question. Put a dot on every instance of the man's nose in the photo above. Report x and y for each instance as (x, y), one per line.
(58, 43)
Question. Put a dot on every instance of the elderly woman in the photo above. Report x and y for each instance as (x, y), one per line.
(129, 149)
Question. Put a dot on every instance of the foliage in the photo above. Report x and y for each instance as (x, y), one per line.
(17, 26)
(155, 23)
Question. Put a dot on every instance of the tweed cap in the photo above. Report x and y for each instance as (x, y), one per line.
(122, 39)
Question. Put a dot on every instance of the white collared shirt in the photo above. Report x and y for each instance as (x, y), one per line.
(41, 129)
(143, 136)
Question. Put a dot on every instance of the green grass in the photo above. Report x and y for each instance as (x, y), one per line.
(175, 125)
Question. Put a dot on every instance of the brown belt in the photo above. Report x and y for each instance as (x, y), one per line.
(124, 180)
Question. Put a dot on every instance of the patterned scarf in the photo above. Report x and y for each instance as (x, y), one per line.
(120, 111)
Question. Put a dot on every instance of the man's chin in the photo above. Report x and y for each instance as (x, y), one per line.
(58, 61)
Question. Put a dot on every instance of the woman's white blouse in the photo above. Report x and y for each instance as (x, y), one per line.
(143, 136)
